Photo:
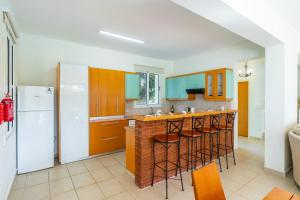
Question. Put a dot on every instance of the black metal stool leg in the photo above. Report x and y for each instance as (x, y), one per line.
(153, 169)
(232, 147)
(166, 170)
(204, 149)
(226, 148)
(178, 152)
(218, 150)
(211, 145)
(188, 159)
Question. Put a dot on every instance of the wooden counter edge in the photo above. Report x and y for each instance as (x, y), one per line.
(176, 116)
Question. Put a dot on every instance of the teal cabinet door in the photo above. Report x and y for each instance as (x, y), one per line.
(195, 81)
(229, 84)
(132, 86)
(180, 87)
(176, 87)
(171, 92)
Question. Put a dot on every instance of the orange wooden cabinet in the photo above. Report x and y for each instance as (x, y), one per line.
(130, 149)
(219, 84)
(106, 92)
(107, 136)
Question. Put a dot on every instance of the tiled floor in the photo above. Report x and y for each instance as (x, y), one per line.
(106, 178)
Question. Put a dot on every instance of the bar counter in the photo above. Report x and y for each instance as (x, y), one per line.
(145, 130)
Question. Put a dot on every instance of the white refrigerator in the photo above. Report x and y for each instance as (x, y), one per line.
(35, 128)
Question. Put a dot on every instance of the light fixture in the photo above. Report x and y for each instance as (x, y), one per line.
(121, 37)
(245, 73)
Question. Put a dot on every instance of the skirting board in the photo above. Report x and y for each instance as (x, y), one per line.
(281, 174)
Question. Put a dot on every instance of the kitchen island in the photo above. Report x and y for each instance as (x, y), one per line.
(145, 130)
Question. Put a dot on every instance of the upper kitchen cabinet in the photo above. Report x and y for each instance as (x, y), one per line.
(106, 92)
(176, 86)
(219, 84)
(132, 86)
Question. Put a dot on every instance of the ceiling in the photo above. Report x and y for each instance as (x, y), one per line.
(169, 31)
(289, 9)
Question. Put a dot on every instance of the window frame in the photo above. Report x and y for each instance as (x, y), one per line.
(147, 105)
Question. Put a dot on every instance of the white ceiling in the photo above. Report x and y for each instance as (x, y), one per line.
(289, 9)
(169, 31)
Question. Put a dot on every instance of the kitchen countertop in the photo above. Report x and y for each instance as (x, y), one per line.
(100, 119)
(179, 115)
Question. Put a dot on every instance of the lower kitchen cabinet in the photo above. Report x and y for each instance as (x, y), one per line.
(107, 136)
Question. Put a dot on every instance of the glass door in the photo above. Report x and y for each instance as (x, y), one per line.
(220, 83)
(209, 88)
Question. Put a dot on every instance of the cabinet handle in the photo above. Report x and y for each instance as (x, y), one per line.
(117, 104)
(110, 138)
(110, 123)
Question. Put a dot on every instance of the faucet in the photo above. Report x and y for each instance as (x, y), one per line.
(151, 111)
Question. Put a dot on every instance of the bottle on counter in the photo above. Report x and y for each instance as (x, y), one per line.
(172, 109)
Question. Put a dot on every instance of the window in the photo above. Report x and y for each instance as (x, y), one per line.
(149, 89)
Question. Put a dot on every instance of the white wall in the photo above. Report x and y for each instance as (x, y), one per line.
(39, 57)
(7, 139)
(227, 56)
(256, 96)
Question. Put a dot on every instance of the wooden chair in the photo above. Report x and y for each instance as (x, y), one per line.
(207, 183)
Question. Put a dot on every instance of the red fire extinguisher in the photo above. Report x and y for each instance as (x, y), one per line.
(1, 113)
(8, 108)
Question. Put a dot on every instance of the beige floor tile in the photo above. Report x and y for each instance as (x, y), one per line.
(101, 174)
(121, 157)
(117, 169)
(61, 186)
(255, 190)
(92, 164)
(107, 160)
(77, 168)
(81, 180)
(90, 192)
(71, 195)
(146, 194)
(19, 182)
(58, 173)
(16, 195)
(111, 187)
(237, 197)
(121, 196)
(37, 192)
(161, 189)
(36, 178)
(127, 181)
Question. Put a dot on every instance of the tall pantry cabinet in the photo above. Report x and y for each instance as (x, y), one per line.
(106, 92)
(106, 98)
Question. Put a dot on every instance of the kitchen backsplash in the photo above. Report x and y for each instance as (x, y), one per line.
(200, 104)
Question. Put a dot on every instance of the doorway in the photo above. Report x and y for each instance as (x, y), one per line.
(243, 108)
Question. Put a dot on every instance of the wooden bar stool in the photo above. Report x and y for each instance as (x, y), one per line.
(171, 137)
(192, 138)
(227, 129)
(212, 132)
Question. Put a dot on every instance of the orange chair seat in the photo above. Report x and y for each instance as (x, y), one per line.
(190, 133)
(165, 139)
